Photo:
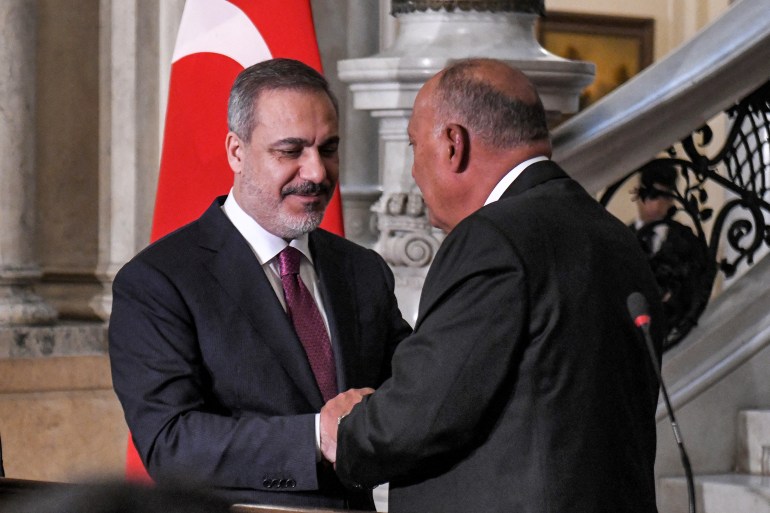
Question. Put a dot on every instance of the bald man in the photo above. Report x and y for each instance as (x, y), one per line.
(525, 386)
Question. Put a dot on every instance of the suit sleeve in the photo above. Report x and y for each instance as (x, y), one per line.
(398, 328)
(179, 425)
(448, 374)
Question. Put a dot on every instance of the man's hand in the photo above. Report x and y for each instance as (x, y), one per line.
(332, 413)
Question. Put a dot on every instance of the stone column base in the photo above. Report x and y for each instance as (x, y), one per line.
(59, 417)
(19, 306)
(59, 340)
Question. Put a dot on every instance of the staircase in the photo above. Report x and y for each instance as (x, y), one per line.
(743, 491)
(718, 377)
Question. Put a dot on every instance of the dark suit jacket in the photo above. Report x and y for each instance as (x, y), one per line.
(684, 270)
(214, 383)
(525, 386)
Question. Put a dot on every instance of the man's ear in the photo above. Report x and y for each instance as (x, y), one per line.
(459, 146)
(234, 148)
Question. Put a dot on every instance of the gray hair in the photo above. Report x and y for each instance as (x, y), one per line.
(497, 118)
(267, 76)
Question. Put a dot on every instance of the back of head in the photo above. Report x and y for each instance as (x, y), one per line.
(497, 103)
(264, 76)
(662, 175)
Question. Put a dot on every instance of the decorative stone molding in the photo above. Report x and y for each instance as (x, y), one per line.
(524, 6)
(407, 238)
(431, 35)
(46, 341)
(19, 305)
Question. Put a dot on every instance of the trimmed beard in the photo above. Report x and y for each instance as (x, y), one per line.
(295, 226)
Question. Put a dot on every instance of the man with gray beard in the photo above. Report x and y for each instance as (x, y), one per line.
(228, 335)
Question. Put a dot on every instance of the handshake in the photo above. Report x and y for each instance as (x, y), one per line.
(331, 415)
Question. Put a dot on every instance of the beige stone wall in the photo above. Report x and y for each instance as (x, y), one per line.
(60, 420)
(676, 21)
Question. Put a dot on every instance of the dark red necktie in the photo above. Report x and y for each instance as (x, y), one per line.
(308, 323)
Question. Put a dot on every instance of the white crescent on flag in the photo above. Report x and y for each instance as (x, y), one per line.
(217, 26)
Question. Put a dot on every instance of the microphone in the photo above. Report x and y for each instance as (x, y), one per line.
(637, 307)
(639, 311)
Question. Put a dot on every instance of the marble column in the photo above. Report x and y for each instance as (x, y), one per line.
(19, 269)
(129, 135)
(431, 34)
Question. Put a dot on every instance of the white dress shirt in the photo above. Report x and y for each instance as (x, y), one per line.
(266, 247)
(508, 179)
(658, 234)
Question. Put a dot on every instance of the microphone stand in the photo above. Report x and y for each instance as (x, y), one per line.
(645, 327)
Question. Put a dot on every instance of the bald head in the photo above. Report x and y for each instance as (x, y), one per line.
(497, 103)
(471, 124)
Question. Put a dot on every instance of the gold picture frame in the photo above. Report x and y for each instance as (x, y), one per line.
(620, 47)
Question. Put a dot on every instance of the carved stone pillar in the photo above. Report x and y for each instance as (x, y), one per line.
(431, 34)
(129, 128)
(19, 269)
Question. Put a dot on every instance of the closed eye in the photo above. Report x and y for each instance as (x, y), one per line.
(288, 153)
(329, 150)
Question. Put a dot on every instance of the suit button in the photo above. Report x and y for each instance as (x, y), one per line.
(282, 483)
(291, 483)
(267, 483)
(275, 483)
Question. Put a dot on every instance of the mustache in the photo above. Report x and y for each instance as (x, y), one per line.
(307, 189)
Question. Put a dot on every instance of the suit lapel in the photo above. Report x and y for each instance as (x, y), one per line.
(537, 173)
(237, 270)
(337, 290)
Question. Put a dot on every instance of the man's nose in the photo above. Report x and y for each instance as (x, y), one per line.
(313, 167)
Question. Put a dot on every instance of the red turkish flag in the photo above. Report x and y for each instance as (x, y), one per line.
(217, 39)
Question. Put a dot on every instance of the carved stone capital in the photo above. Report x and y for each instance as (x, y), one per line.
(406, 237)
(523, 6)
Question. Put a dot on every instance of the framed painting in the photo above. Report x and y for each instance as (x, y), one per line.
(620, 47)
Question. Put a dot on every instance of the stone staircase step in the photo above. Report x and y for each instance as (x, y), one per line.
(729, 493)
(753, 434)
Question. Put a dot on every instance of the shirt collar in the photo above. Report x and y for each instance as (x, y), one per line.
(508, 179)
(264, 244)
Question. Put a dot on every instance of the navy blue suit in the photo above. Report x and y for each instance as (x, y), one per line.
(213, 380)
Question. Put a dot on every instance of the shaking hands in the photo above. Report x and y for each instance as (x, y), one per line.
(331, 414)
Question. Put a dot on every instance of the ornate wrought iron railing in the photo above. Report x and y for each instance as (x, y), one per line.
(740, 226)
